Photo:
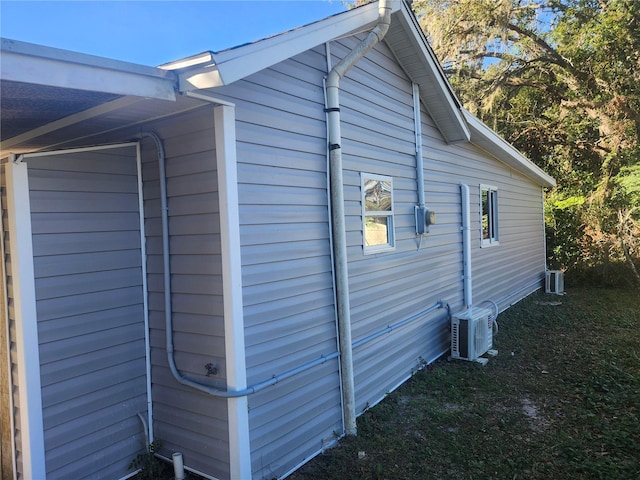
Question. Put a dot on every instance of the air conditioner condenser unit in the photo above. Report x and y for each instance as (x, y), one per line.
(472, 334)
(554, 282)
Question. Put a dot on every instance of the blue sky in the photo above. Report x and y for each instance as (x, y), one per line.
(155, 32)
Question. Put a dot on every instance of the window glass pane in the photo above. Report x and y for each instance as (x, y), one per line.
(376, 231)
(377, 195)
(485, 215)
(493, 206)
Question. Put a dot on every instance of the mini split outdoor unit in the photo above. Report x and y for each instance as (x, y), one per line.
(472, 334)
(554, 282)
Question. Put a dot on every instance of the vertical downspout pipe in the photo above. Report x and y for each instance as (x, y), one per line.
(338, 215)
(466, 245)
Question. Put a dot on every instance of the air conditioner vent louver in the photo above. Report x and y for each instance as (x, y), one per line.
(471, 333)
(554, 282)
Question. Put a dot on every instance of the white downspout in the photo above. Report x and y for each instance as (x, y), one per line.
(338, 215)
(466, 246)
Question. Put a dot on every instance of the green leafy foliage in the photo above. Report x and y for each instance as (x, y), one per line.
(560, 80)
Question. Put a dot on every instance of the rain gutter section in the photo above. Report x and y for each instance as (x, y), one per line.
(338, 215)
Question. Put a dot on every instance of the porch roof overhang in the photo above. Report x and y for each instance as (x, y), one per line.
(44, 89)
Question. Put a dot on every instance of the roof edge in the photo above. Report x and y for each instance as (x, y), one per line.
(25, 62)
(212, 70)
(498, 147)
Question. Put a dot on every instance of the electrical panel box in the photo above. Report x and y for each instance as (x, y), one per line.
(424, 218)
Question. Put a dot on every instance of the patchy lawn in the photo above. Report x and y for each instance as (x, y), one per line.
(561, 400)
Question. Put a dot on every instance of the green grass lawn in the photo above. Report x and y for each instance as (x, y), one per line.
(560, 401)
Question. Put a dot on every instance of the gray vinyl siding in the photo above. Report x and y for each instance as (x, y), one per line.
(378, 137)
(185, 419)
(507, 272)
(386, 288)
(287, 287)
(288, 299)
(89, 301)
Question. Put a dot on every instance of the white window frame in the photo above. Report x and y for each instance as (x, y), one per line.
(492, 217)
(389, 214)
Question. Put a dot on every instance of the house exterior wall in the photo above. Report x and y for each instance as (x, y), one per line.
(286, 258)
(287, 286)
(288, 298)
(511, 270)
(185, 419)
(90, 307)
(385, 288)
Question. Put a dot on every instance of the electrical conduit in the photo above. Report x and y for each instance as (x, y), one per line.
(417, 118)
(466, 245)
(183, 379)
(338, 216)
(340, 251)
(169, 318)
(167, 278)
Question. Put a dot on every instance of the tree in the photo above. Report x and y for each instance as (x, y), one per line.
(559, 79)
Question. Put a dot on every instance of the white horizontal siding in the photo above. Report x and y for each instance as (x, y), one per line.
(185, 419)
(91, 426)
(286, 265)
(389, 287)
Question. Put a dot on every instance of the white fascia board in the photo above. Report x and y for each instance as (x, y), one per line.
(458, 132)
(498, 147)
(231, 65)
(37, 64)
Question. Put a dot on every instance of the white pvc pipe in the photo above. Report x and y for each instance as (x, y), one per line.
(338, 213)
(178, 466)
(145, 298)
(466, 245)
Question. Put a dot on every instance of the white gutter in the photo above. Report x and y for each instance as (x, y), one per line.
(37, 64)
(466, 246)
(338, 215)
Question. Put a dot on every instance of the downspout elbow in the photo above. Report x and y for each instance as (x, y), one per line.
(375, 36)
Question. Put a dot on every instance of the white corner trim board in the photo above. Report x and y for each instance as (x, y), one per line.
(238, 411)
(24, 297)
